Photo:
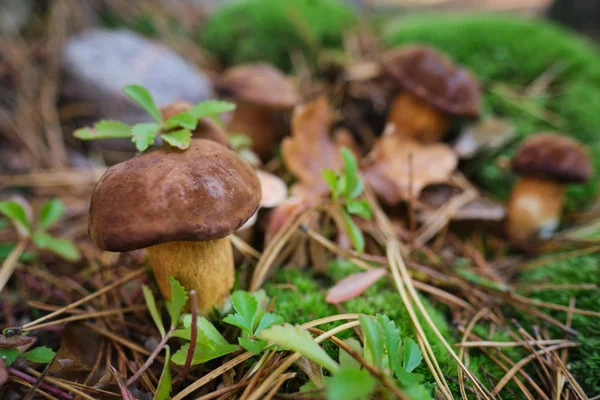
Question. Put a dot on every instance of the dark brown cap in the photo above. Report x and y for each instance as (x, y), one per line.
(206, 128)
(203, 193)
(432, 76)
(552, 156)
(260, 84)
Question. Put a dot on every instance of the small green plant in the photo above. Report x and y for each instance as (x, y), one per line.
(384, 351)
(40, 354)
(176, 131)
(50, 213)
(252, 318)
(346, 188)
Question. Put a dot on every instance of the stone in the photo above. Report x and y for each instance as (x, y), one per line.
(97, 63)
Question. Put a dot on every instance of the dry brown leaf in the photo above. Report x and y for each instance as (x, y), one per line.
(311, 148)
(387, 168)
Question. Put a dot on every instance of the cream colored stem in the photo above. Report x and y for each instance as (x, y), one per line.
(534, 209)
(206, 267)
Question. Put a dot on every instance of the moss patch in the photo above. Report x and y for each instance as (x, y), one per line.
(268, 30)
(517, 51)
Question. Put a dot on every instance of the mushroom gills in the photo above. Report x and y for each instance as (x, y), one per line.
(415, 118)
(206, 267)
(534, 209)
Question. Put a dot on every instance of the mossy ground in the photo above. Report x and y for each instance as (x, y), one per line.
(516, 51)
(269, 30)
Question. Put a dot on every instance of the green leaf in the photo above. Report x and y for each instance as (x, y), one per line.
(346, 360)
(239, 321)
(330, 178)
(392, 341)
(373, 338)
(360, 208)
(179, 297)
(7, 248)
(203, 354)
(358, 188)
(151, 304)
(211, 108)
(3, 223)
(40, 354)
(180, 139)
(105, 129)
(350, 384)
(9, 355)
(252, 345)
(59, 246)
(297, 339)
(205, 326)
(163, 390)
(50, 213)
(143, 135)
(412, 355)
(140, 95)
(17, 214)
(239, 140)
(268, 320)
(340, 186)
(350, 172)
(246, 305)
(417, 392)
(181, 120)
(353, 231)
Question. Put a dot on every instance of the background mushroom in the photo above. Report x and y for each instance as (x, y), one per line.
(260, 92)
(181, 206)
(434, 90)
(546, 162)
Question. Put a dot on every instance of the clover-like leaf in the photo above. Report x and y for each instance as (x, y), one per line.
(181, 120)
(211, 108)
(180, 138)
(143, 135)
(253, 345)
(179, 297)
(50, 213)
(299, 340)
(140, 95)
(154, 313)
(105, 129)
(246, 305)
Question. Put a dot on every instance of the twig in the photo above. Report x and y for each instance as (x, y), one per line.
(193, 337)
(90, 315)
(32, 380)
(9, 265)
(150, 359)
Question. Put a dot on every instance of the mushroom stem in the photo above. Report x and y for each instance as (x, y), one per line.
(257, 122)
(206, 267)
(418, 119)
(534, 208)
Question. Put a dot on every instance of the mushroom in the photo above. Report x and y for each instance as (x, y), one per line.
(206, 128)
(546, 162)
(434, 90)
(274, 192)
(181, 206)
(260, 91)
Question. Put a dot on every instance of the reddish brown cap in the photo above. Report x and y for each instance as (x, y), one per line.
(203, 193)
(552, 156)
(206, 128)
(432, 76)
(260, 84)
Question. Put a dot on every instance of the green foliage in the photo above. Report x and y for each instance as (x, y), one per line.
(163, 390)
(346, 187)
(154, 313)
(252, 318)
(40, 354)
(269, 30)
(506, 50)
(350, 384)
(179, 298)
(50, 213)
(176, 131)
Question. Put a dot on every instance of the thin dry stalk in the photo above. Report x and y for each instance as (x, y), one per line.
(9, 265)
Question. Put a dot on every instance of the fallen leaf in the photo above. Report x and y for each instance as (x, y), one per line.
(311, 148)
(488, 134)
(125, 393)
(285, 211)
(388, 169)
(481, 209)
(15, 341)
(353, 285)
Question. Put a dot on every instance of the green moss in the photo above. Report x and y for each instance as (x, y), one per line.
(517, 51)
(585, 359)
(268, 30)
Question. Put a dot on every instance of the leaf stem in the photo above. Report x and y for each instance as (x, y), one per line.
(151, 358)
(193, 338)
(9, 265)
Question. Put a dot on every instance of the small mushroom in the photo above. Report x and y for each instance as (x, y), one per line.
(181, 206)
(206, 128)
(546, 162)
(260, 91)
(434, 91)
(274, 192)
(391, 172)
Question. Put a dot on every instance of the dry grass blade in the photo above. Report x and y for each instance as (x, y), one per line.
(487, 343)
(89, 315)
(9, 265)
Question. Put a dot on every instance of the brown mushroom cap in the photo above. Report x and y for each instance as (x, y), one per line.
(260, 84)
(203, 193)
(554, 157)
(432, 76)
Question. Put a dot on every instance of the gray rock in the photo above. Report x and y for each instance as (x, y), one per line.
(97, 64)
